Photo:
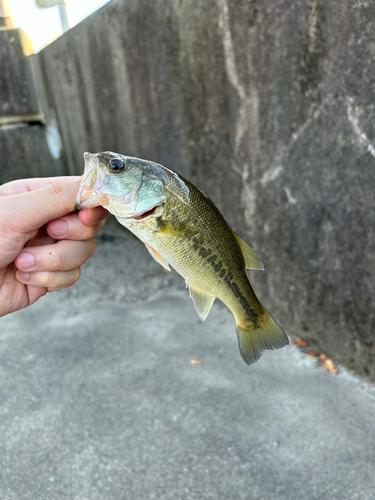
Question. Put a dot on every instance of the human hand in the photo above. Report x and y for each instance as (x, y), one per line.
(42, 243)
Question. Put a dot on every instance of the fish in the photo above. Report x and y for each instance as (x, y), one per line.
(183, 229)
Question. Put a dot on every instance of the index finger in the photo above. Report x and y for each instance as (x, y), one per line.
(30, 210)
(26, 185)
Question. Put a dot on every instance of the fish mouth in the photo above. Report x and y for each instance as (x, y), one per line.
(151, 212)
(92, 180)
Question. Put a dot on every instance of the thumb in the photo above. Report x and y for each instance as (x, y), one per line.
(29, 211)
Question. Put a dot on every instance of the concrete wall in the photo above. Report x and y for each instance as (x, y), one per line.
(23, 144)
(269, 108)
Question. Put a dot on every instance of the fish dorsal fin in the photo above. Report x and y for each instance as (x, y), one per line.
(202, 300)
(252, 261)
(158, 257)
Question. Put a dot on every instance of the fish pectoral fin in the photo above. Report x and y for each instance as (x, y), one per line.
(255, 337)
(202, 300)
(158, 257)
(175, 229)
(252, 261)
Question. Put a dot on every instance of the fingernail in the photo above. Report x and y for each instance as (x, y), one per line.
(26, 260)
(58, 227)
(21, 276)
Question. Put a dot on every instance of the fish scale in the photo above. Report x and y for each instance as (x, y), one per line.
(183, 228)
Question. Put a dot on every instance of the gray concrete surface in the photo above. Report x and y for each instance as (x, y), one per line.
(17, 93)
(25, 153)
(98, 400)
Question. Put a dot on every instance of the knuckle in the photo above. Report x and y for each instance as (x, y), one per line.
(58, 259)
(61, 190)
(58, 188)
(45, 278)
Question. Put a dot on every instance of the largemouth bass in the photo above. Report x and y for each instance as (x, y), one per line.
(182, 228)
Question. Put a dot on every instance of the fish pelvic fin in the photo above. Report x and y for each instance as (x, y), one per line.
(202, 300)
(256, 336)
(252, 261)
(158, 257)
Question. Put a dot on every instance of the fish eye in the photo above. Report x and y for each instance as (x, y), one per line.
(116, 165)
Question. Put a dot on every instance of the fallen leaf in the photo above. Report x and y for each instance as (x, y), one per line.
(329, 365)
(195, 361)
(299, 342)
(313, 353)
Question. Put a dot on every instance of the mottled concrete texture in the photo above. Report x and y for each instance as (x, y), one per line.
(23, 144)
(17, 95)
(98, 400)
(269, 108)
(25, 153)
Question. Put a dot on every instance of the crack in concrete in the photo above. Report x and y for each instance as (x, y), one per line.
(353, 114)
(247, 119)
(313, 116)
(271, 174)
(312, 26)
(291, 199)
(230, 62)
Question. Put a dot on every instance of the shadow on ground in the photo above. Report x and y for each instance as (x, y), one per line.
(98, 400)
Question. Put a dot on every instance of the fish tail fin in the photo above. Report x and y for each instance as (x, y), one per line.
(256, 336)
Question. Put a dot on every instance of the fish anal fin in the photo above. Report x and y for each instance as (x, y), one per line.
(255, 337)
(252, 261)
(202, 300)
(158, 257)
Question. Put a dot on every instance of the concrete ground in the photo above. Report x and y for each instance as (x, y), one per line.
(98, 400)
